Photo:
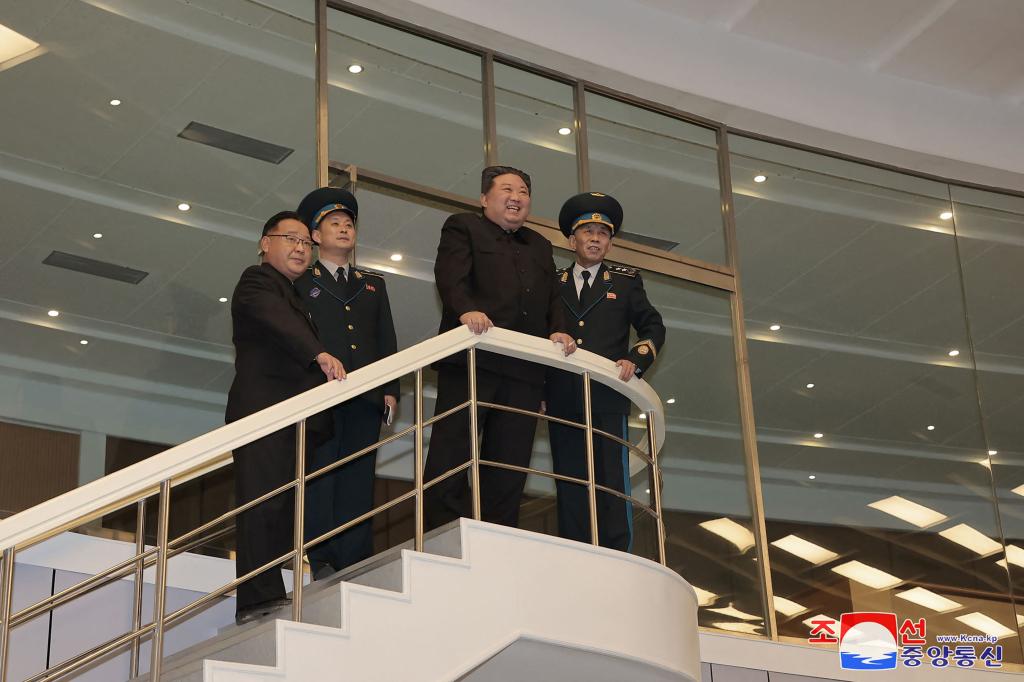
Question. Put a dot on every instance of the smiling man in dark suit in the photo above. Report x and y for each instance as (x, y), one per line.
(602, 302)
(277, 356)
(491, 270)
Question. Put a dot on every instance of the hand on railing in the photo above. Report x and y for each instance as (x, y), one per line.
(331, 366)
(477, 321)
(568, 344)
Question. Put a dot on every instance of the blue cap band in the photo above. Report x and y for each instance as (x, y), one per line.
(593, 218)
(329, 208)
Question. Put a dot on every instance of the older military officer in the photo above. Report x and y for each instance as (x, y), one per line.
(602, 302)
(278, 354)
(351, 309)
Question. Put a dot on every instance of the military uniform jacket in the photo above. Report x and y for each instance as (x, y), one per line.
(276, 345)
(509, 277)
(601, 325)
(354, 319)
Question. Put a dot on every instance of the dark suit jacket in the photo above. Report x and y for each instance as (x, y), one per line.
(276, 345)
(353, 318)
(601, 325)
(509, 277)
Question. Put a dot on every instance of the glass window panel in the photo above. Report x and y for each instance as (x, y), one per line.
(414, 109)
(990, 231)
(150, 361)
(707, 510)
(868, 433)
(664, 172)
(535, 133)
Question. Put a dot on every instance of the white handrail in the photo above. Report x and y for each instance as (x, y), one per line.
(207, 452)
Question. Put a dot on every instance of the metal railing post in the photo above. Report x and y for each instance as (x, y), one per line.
(418, 462)
(140, 547)
(300, 517)
(591, 482)
(160, 588)
(652, 447)
(474, 438)
(6, 595)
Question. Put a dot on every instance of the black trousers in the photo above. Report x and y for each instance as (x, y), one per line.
(344, 493)
(611, 469)
(264, 532)
(506, 437)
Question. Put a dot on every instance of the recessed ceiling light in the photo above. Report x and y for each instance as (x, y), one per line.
(946, 215)
(565, 131)
(972, 539)
(355, 68)
(929, 600)
(810, 385)
(97, 235)
(183, 206)
(704, 598)
(53, 313)
(733, 612)
(979, 621)
(806, 550)
(787, 607)
(953, 353)
(115, 102)
(775, 327)
(819, 435)
(811, 477)
(993, 453)
(396, 257)
(867, 575)
(647, 491)
(760, 178)
(930, 427)
(84, 342)
(13, 44)
(671, 401)
(643, 416)
(223, 299)
(906, 510)
(731, 531)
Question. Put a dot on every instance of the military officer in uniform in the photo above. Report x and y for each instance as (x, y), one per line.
(602, 302)
(351, 309)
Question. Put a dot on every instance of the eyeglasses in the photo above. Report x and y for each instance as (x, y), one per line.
(293, 240)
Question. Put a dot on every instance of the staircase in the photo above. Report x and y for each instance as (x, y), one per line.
(482, 603)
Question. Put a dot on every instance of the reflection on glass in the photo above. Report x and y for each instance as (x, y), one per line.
(665, 174)
(412, 109)
(874, 466)
(710, 539)
(535, 133)
(990, 233)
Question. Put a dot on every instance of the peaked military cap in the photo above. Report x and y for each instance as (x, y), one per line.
(325, 200)
(590, 207)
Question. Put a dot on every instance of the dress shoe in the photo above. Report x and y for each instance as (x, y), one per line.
(257, 611)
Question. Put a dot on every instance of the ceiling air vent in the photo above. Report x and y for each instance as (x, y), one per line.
(91, 266)
(653, 242)
(233, 142)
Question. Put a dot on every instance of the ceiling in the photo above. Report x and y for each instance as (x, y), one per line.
(854, 263)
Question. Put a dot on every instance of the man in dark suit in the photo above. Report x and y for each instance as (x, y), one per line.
(277, 355)
(351, 309)
(602, 302)
(491, 271)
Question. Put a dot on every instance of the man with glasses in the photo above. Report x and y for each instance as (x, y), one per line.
(351, 309)
(278, 355)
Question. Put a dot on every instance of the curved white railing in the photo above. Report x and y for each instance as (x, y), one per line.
(212, 450)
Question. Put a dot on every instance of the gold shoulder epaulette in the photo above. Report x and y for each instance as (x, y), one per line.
(623, 270)
(371, 273)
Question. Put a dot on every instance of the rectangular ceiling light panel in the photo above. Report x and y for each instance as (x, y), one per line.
(233, 142)
(806, 550)
(911, 512)
(13, 44)
(91, 266)
(972, 539)
(730, 530)
(929, 600)
(867, 575)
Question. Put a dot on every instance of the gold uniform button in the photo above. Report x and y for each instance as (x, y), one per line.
(350, 327)
(354, 346)
(643, 350)
(579, 342)
(348, 307)
(582, 323)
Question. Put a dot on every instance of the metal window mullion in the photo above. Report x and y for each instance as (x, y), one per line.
(579, 104)
(488, 92)
(744, 392)
(322, 93)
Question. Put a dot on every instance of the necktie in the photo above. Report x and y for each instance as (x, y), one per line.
(585, 289)
(340, 275)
